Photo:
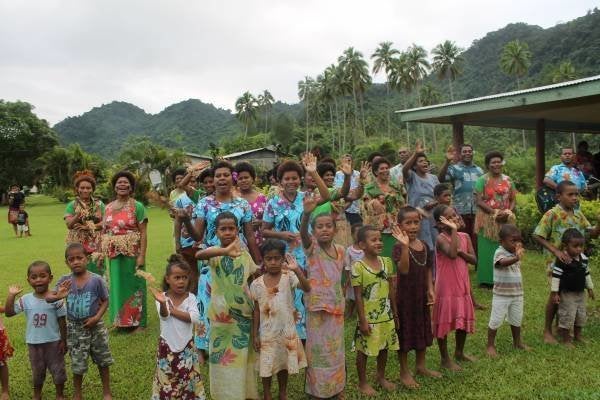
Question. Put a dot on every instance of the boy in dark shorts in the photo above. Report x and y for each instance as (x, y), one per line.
(87, 301)
(46, 328)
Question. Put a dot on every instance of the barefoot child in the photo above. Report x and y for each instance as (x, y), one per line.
(414, 294)
(569, 280)
(353, 253)
(549, 232)
(177, 364)
(507, 300)
(231, 354)
(453, 308)
(372, 280)
(46, 331)
(326, 372)
(87, 301)
(6, 351)
(273, 324)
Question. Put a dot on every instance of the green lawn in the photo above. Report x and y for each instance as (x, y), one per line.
(548, 372)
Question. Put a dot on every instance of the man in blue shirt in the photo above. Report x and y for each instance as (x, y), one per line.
(565, 171)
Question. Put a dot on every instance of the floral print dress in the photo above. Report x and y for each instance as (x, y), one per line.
(231, 355)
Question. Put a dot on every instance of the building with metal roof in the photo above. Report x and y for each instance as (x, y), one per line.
(572, 106)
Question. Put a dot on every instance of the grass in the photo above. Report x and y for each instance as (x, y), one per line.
(548, 372)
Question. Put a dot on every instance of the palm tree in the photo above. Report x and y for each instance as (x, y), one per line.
(516, 60)
(265, 101)
(564, 72)
(430, 96)
(417, 66)
(357, 69)
(384, 59)
(447, 62)
(304, 93)
(401, 80)
(245, 107)
(342, 87)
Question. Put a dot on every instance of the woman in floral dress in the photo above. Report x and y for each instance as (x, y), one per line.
(381, 202)
(246, 175)
(124, 243)
(495, 196)
(83, 217)
(283, 214)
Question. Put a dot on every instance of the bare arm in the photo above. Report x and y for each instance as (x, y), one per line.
(550, 183)
(62, 327)
(306, 238)
(443, 171)
(360, 309)
(269, 232)
(211, 252)
(180, 314)
(449, 248)
(256, 326)
(482, 205)
(177, 234)
(9, 307)
(392, 297)
(141, 258)
(251, 243)
(303, 283)
(410, 163)
(469, 256)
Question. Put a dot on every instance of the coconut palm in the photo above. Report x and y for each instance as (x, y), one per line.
(418, 67)
(383, 60)
(304, 93)
(401, 80)
(357, 69)
(342, 87)
(447, 62)
(430, 96)
(564, 72)
(245, 107)
(515, 60)
(265, 102)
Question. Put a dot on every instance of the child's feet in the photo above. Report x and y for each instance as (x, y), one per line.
(450, 365)
(549, 338)
(386, 385)
(408, 381)
(366, 389)
(428, 372)
(464, 357)
(522, 346)
(579, 340)
(569, 345)
(4, 396)
(491, 351)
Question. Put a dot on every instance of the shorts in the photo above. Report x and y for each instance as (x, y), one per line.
(6, 350)
(47, 356)
(383, 337)
(22, 228)
(83, 343)
(571, 310)
(506, 307)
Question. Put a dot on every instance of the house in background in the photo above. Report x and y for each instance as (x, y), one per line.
(262, 158)
(196, 158)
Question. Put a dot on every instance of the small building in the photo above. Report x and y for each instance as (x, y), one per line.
(263, 157)
(196, 158)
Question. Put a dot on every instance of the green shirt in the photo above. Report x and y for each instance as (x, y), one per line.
(375, 289)
(556, 221)
(327, 207)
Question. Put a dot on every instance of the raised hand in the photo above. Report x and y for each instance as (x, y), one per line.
(346, 166)
(400, 235)
(14, 290)
(309, 202)
(181, 214)
(520, 251)
(290, 263)
(365, 167)
(201, 166)
(64, 289)
(310, 162)
(419, 147)
(450, 153)
(234, 249)
(445, 221)
(158, 295)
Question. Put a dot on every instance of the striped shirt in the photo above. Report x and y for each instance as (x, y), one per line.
(507, 280)
(572, 277)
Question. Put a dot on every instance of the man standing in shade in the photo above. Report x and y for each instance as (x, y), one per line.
(565, 171)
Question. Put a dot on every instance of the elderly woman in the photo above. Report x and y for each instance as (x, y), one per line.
(83, 217)
(246, 176)
(381, 202)
(495, 196)
(124, 243)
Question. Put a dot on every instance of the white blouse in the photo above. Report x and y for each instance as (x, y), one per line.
(176, 332)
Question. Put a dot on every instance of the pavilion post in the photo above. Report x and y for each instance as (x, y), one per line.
(540, 145)
(458, 136)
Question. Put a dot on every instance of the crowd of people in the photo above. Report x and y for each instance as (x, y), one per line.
(262, 284)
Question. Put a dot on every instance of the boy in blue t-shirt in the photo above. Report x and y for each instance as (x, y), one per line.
(87, 302)
(46, 328)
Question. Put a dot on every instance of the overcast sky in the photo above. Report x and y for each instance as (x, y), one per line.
(66, 57)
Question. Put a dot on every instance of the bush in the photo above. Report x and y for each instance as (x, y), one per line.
(64, 195)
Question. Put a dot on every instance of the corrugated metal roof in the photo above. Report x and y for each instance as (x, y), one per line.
(241, 153)
(506, 94)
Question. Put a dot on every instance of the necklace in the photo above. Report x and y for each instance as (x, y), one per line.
(329, 255)
(412, 256)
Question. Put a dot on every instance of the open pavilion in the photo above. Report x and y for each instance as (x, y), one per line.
(572, 106)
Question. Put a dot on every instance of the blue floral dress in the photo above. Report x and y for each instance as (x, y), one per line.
(207, 209)
(286, 217)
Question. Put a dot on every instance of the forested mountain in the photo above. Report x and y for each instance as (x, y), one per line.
(193, 124)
